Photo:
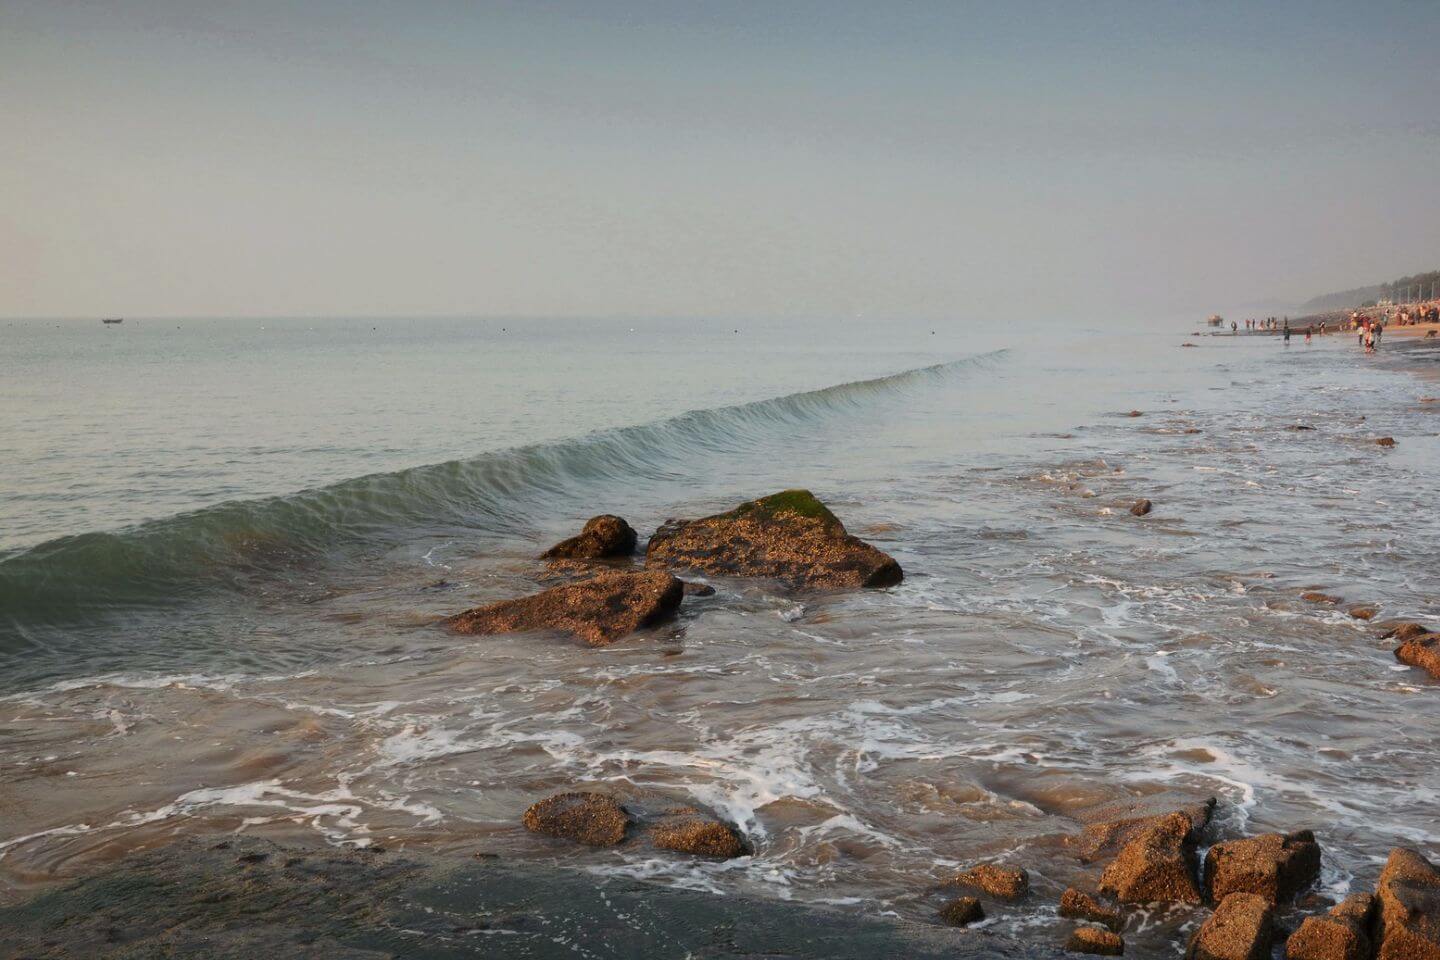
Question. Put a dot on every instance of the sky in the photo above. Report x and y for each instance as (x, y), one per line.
(946, 159)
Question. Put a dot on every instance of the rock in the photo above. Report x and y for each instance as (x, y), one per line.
(1136, 413)
(1404, 630)
(1097, 941)
(962, 911)
(1272, 865)
(598, 611)
(1408, 896)
(1187, 344)
(1363, 612)
(1299, 426)
(1342, 934)
(590, 818)
(1385, 441)
(603, 536)
(1423, 652)
(791, 537)
(688, 830)
(1315, 596)
(1141, 507)
(1157, 865)
(1110, 827)
(693, 589)
(996, 879)
(1239, 929)
(1077, 905)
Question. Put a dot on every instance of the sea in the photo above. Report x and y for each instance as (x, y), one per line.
(226, 546)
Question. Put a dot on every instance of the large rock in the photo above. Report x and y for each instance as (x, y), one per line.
(1095, 941)
(1272, 865)
(1239, 929)
(791, 537)
(598, 611)
(590, 818)
(603, 536)
(1423, 652)
(962, 911)
(1341, 934)
(1110, 827)
(1158, 865)
(1078, 905)
(1408, 896)
(996, 879)
(688, 830)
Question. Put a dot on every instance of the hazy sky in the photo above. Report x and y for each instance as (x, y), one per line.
(937, 159)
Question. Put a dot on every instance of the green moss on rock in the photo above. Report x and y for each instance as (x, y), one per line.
(799, 502)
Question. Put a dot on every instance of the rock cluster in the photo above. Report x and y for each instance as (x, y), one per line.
(600, 820)
(1400, 922)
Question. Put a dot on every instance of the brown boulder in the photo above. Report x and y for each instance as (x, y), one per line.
(1408, 895)
(1363, 612)
(688, 830)
(1423, 652)
(1141, 507)
(1077, 905)
(1404, 630)
(996, 879)
(590, 818)
(1315, 596)
(1157, 865)
(1111, 826)
(1097, 941)
(1239, 929)
(598, 611)
(791, 537)
(1274, 866)
(962, 911)
(603, 536)
(1385, 441)
(1341, 934)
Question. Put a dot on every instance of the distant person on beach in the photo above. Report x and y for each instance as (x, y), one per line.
(1287, 334)
(1307, 336)
(1379, 329)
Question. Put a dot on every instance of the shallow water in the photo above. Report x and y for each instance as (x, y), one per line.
(274, 665)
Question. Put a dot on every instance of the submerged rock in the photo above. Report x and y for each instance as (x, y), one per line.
(1077, 905)
(1110, 827)
(1385, 441)
(693, 589)
(603, 536)
(1239, 929)
(996, 879)
(962, 911)
(599, 611)
(1141, 507)
(1315, 596)
(594, 819)
(1408, 897)
(1096, 941)
(791, 537)
(689, 830)
(1423, 652)
(1363, 612)
(1403, 630)
(1274, 866)
(1158, 865)
(1341, 934)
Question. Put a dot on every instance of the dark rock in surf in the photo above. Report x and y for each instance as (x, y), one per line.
(1423, 652)
(962, 911)
(1341, 934)
(1141, 507)
(1239, 929)
(1408, 898)
(1363, 612)
(790, 537)
(693, 589)
(602, 537)
(1096, 941)
(593, 819)
(1135, 413)
(1110, 827)
(1403, 630)
(688, 830)
(1077, 905)
(1385, 442)
(1299, 426)
(599, 611)
(1157, 866)
(1315, 596)
(1274, 866)
(997, 879)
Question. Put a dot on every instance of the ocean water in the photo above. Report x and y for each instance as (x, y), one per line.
(224, 546)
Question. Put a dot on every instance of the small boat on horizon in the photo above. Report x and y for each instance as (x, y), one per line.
(113, 320)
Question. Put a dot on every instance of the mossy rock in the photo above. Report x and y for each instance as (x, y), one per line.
(801, 503)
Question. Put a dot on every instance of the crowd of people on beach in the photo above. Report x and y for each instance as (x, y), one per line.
(1368, 329)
